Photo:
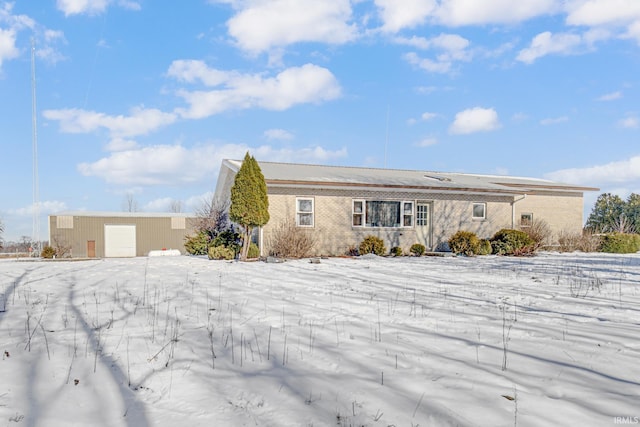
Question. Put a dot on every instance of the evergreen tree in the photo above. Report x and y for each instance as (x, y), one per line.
(249, 203)
(632, 212)
(606, 213)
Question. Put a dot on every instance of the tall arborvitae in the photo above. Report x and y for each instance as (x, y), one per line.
(249, 201)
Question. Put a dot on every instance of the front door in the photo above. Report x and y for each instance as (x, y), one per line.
(423, 224)
(91, 248)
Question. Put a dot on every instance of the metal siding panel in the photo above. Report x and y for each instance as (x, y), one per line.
(152, 233)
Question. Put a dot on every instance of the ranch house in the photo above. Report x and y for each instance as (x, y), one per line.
(342, 205)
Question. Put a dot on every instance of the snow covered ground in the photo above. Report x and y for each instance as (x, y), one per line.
(183, 341)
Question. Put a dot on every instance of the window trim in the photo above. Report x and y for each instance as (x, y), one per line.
(530, 220)
(484, 211)
(360, 214)
(363, 213)
(312, 212)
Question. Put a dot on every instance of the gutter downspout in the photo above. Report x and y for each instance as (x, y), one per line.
(513, 209)
(261, 241)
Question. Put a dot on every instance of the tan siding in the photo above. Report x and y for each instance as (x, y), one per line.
(449, 213)
(65, 221)
(334, 233)
(561, 212)
(152, 233)
(178, 223)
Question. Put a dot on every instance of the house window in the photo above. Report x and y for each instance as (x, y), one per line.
(526, 219)
(358, 213)
(407, 214)
(382, 213)
(479, 211)
(304, 212)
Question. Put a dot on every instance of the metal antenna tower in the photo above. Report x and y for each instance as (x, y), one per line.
(34, 124)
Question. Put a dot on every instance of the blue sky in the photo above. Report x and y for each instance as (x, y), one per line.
(136, 98)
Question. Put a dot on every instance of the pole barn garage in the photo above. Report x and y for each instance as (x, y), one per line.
(118, 234)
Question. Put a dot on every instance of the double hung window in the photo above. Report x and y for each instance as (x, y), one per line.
(304, 212)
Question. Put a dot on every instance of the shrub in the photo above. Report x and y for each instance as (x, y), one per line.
(396, 251)
(372, 245)
(620, 243)
(221, 252)
(48, 252)
(291, 241)
(464, 242)
(198, 244)
(352, 250)
(511, 242)
(254, 251)
(585, 242)
(417, 249)
(227, 238)
(484, 248)
(539, 232)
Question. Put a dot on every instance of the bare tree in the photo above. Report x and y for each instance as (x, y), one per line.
(1, 231)
(61, 246)
(130, 203)
(175, 206)
(212, 216)
(25, 243)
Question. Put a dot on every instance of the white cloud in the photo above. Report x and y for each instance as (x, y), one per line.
(162, 204)
(547, 43)
(8, 35)
(630, 122)
(121, 144)
(175, 164)
(194, 71)
(260, 26)
(623, 171)
(473, 12)
(278, 134)
(554, 120)
(302, 155)
(193, 203)
(397, 15)
(475, 120)
(426, 142)
(452, 43)
(602, 12)
(452, 48)
(428, 64)
(92, 7)
(75, 7)
(44, 208)
(296, 85)
(141, 121)
(8, 49)
(425, 117)
(610, 96)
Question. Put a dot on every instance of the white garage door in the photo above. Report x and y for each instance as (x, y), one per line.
(119, 241)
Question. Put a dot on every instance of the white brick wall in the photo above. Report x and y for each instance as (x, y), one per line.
(334, 233)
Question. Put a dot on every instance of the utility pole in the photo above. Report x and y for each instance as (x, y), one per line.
(34, 125)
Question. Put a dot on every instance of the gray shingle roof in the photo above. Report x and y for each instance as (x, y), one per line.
(344, 176)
